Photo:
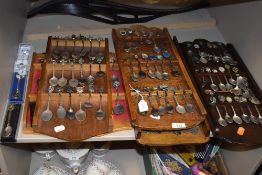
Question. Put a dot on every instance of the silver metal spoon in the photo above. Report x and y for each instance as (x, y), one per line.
(141, 73)
(158, 74)
(17, 93)
(221, 85)
(133, 76)
(150, 73)
(236, 118)
(154, 111)
(259, 115)
(228, 85)
(80, 115)
(221, 120)
(47, 114)
(169, 108)
(165, 73)
(73, 82)
(61, 112)
(252, 117)
(65, 54)
(213, 86)
(179, 108)
(231, 80)
(88, 103)
(100, 114)
(62, 81)
(188, 106)
(90, 78)
(228, 118)
(236, 91)
(119, 108)
(244, 116)
(8, 129)
(81, 80)
(53, 81)
(70, 113)
(75, 54)
(56, 52)
(161, 109)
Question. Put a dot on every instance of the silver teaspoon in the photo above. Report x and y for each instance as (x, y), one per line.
(169, 107)
(157, 72)
(53, 80)
(213, 86)
(90, 78)
(165, 73)
(17, 92)
(73, 82)
(236, 118)
(259, 115)
(81, 79)
(189, 107)
(161, 109)
(141, 73)
(62, 81)
(150, 73)
(252, 117)
(118, 109)
(236, 91)
(8, 129)
(133, 76)
(61, 112)
(88, 103)
(228, 118)
(70, 113)
(228, 85)
(100, 114)
(221, 120)
(244, 116)
(80, 115)
(221, 85)
(231, 80)
(154, 111)
(179, 108)
(47, 114)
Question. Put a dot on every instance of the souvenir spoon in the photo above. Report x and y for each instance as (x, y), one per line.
(244, 116)
(61, 112)
(80, 115)
(228, 118)
(179, 108)
(259, 115)
(221, 85)
(100, 114)
(213, 86)
(118, 109)
(62, 81)
(70, 114)
(169, 108)
(236, 118)
(141, 73)
(73, 82)
(252, 117)
(53, 80)
(161, 109)
(165, 73)
(47, 114)
(150, 73)
(228, 85)
(8, 129)
(221, 120)
(158, 74)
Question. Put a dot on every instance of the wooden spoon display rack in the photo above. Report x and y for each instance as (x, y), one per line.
(75, 130)
(168, 128)
(224, 61)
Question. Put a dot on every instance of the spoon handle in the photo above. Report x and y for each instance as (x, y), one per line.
(100, 108)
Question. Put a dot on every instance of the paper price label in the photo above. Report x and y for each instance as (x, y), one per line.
(59, 128)
(155, 117)
(142, 106)
(178, 125)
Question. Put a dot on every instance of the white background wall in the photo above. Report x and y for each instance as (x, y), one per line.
(241, 25)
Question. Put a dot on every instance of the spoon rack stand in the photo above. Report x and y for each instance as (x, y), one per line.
(228, 133)
(161, 131)
(74, 129)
